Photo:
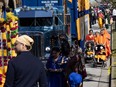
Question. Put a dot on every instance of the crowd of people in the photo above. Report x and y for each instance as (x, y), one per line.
(65, 66)
(102, 37)
(102, 15)
(63, 69)
(69, 68)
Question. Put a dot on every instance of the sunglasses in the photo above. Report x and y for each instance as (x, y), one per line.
(17, 44)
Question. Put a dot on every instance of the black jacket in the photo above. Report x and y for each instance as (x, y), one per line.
(25, 70)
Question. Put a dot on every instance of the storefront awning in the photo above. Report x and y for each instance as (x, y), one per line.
(34, 13)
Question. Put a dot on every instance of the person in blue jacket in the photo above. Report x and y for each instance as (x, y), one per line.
(25, 70)
(55, 68)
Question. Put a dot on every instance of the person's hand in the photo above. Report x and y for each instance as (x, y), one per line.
(58, 70)
(55, 70)
(51, 70)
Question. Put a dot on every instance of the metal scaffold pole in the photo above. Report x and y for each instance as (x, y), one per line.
(65, 12)
(67, 28)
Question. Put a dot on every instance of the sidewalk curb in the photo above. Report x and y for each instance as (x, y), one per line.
(113, 61)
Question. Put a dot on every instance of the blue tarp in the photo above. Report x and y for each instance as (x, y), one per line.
(35, 13)
(30, 2)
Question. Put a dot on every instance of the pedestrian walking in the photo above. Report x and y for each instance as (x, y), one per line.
(75, 70)
(107, 18)
(114, 14)
(25, 70)
(100, 19)
(64, 45)
(75, 79)
(108, 45)
(55, 69)
(104, 39)
(75, 49)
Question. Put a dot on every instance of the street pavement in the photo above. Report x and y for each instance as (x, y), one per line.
(97, 77)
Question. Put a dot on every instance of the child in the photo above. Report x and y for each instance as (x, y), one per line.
(75, 79)
(89, 49)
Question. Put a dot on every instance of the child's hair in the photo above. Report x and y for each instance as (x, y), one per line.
(89, 44)
(75, 68)
(57, 49)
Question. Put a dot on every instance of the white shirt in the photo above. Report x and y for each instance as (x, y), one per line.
(114, 12)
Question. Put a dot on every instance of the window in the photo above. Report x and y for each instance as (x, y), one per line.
(47, 21)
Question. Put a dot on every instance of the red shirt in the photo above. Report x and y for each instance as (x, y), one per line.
(89, 37)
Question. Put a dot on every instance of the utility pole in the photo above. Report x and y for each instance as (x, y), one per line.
(66, 23)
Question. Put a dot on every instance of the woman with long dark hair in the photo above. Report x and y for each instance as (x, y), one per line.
(55, 69)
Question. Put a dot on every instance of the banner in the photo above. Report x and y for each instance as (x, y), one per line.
(87, 5)
(30, 2)
(82, 28)
(41, 2)
(79, 5)
(78, 27)
(87, 24)
(49, 2)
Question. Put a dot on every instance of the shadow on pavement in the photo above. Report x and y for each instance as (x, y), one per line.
(87, 80)
(92, 75)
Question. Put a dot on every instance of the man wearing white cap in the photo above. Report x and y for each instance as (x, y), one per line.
(25, 70)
